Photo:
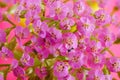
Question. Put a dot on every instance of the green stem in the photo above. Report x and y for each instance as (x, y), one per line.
(10, 22)
(6, 19)
(6, 72)
(110, 52)
(2, 65)
(107, 49)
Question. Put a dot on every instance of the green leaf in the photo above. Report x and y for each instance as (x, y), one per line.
(12, 9)
(105, 70)
(34, 78)
(17, 54)
(117, 41)
(37, 62)
(12, 44)
(8, 30)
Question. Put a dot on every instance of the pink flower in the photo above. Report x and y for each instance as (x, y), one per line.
(113, 64)
(58, 10)
(96, 60)
(14, 64)
(108, 77)
(102, 18)
(102, 3)
(67, 23)
(70, 41)
(93, 46)
(30, 18)
(60, 69)
(21, 33)
(85, 25)
(106, 38)
(5, 52)
(69, 77)
(79, 7)
(54, 35)
(95, 75)
(26, 60)
(41, 73)
(41, 28)
(19, 72)
(76, 59)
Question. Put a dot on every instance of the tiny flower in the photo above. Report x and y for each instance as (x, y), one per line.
(80, 74)
(21, 32)
(102, 3)
(93, 46)
(30, 18)
(5, 52)
(69, 77)
(85, 25)
(76, 59)
(66, 24)
(41, 73)
(113, 64)
(43, 53)
(2, 36)
(102, 18)
(41, 28)
(79, 7)
(14, 64)
(96, 60)
(19, 72)
(107, 77)
(95, 75)
(26, 60)
(58, 10)
(60, 69)
(70, 41)
(106, 38)
(54, 35)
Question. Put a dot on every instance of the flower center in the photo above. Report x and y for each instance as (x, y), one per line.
(60, 68)
(96, 78)
(75, 58)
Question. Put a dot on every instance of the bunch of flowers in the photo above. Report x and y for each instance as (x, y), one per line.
(60, 40)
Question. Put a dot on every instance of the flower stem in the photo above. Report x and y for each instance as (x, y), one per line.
(110, 52)
(6, 19)
(2, 65)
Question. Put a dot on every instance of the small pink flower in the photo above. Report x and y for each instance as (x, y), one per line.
(60, 69)
(95, 75)
(76, 59)
(19, 72)
(85, 25)
(102, 18)
(5, 52)
(70, 41)
(26, 60)
(67, 23)
(113, 64)
(41, 73)
(79, 7)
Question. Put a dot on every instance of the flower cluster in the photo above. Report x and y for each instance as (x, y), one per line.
(60, 39)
